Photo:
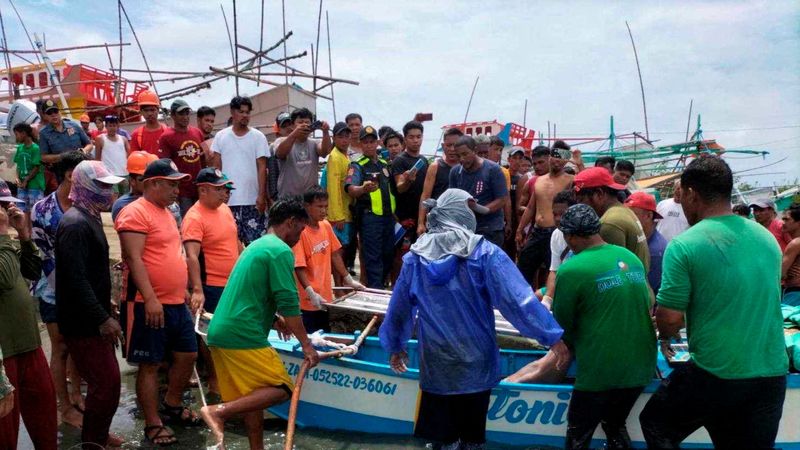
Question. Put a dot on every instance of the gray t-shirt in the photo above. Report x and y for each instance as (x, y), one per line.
(300, 170)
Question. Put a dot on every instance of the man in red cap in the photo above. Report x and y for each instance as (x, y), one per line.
(644, 206)
(619, 225)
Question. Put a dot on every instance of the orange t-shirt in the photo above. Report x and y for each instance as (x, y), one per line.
(215, 230)
(314, 251)
(163, 252)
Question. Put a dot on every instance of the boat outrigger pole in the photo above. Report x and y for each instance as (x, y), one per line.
(52, 72)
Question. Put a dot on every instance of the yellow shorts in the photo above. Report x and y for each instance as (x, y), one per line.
(240, 372)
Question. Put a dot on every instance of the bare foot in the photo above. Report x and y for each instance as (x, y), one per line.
(217, 425)
(72, 416)
(114, 441)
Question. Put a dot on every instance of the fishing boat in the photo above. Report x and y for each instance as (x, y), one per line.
(361, 393)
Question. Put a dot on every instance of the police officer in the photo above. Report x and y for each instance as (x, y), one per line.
(368, 181)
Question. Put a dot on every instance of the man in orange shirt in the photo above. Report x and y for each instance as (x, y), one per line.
(315, 252)
(209, 238)
(163, 329)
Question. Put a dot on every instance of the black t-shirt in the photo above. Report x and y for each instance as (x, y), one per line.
(408, 202)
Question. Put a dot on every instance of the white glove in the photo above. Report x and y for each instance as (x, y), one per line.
(314, 298)
(318, 341)
(547, 301)
(350, 282)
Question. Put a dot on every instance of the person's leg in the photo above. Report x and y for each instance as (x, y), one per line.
(256, 401)
(678, 408)
(436, 419)
(146, 347)
(254, 424)
(212, 294)
(147, 392)
(37, 400)
(621, 402)
(95, 359)
(387, 245)
(471, 416)
(59, 363)
(183, 345)
(9, 424)
(535, 251)
(583, 416)
(371, 256)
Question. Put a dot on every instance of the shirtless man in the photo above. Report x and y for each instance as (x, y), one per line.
(541, 166)
(790, 266)
(536, 250)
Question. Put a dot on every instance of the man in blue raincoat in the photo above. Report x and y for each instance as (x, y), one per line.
(450, 281)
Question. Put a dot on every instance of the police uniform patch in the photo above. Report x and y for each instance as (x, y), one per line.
(385, 172)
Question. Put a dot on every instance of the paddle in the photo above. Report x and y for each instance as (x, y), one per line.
(298, 385)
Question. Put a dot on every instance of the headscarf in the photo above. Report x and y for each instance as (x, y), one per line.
(87, 193)
(451, 227)
(580, 220)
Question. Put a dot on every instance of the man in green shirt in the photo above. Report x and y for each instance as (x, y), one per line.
(30, 173)
(603, 303)
(251, 376)
(618, 225)
(721, 277)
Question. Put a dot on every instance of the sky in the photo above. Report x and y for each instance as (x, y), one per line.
(739, 62)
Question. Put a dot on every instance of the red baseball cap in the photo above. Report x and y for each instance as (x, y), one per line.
(595, 177)
(641, 199)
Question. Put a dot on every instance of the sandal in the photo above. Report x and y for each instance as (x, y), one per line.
(163, 436)
(180, 415)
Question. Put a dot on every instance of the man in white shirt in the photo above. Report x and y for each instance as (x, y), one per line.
(559, 251)
(674, 220)
(243, 153)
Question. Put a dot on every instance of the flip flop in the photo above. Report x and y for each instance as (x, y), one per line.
(161, 433)
(180, 415)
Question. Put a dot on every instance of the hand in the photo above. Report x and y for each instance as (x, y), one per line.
(310, 354)
(339, 225)
(325, 126)
(411, 175)
(314, 298)
(283, 330)
(577, 155)
(196, 301)
(563, 355)
(17, 220)
(421, 229)
(112, 332)
(520, 239)
(398, 362)
(666, 348)
(350, 282)
(154, 314)
(23, 184)
(301, 131)
(370, 186)
(261, 203)
(547, 302)
(6, 404)
(269, 202)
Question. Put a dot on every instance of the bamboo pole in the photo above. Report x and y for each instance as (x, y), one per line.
(141, 50)
(330, 64)
(469, 104)
(7, 58)
(321, 77)
(66, 49)
(24, 28)
(260, 41)
(315, 60)
(641, 84)
(283, 17)
(164, 72)
(118, 86)
(235, 48)
(253, 78)
(230, 41)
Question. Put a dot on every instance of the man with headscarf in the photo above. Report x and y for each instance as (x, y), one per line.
(450, 281)
(83, 297)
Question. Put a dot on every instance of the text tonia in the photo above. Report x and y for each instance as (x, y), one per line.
(506, 406)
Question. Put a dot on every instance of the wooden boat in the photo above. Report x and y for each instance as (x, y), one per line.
(362, 394)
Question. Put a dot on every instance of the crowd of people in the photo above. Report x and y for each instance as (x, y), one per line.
(258, 234)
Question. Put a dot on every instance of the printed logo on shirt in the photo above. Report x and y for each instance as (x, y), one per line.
(673, 214)
(320, 247)
(616, 278)
(189, 151)
(478, 187)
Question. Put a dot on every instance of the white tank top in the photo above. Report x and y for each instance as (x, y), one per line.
(114, 157)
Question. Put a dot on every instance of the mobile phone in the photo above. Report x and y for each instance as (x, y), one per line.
(316, 125)
(373, 177)
(419, 165)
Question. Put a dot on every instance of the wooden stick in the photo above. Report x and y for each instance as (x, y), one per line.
(7, 58)
(235, 49)
(65, 49)
(330, 64)
(141, 50)
(233, 57)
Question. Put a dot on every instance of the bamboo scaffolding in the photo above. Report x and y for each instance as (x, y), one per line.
(66, 49)
(141, 50)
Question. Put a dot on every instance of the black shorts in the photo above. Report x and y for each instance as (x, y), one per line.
(212, 295)
(445, 419)
(153, 345)
(47, 312)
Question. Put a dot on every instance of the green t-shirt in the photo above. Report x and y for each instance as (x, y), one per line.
(26, 159)
(620, 226)
(725, 273)
(603, 304)
(261, 284)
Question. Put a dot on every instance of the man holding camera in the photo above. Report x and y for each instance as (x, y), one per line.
(298, 153)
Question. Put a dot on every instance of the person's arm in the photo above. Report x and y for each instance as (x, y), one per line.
(284, 147)
(33, 173)
(30, 262)
(335, 182)
(676, 288)
(669, 322)
(72, 253)
(47, 152)
(283, 290)
(6, 391)
(427, 190)
(398, 325)
(565, 305)
(353, 183)
(507, 216)
(263, 189)
(577, 158)
(132, 244)
(513, 297)
(127, 145)
(98, 148)
(612, 234)
(523, 195)
(198, 298)
(789, 257)
(500, 190)
(403, 179)
(85, 141)
(526, 218)
(326, 145)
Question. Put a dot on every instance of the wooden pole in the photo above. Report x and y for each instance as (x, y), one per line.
(689, 120)
(33, 47)
(283, 17)
(330, 64)
(253, 78)
(469, 104)
(230, 40)
(66, 49)
(641, 84)
(118, 86)
(525, 114)
(260, 41)
(235, 48)
(7, 59)
(315, 60)
(321, 77)
(139, 44)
